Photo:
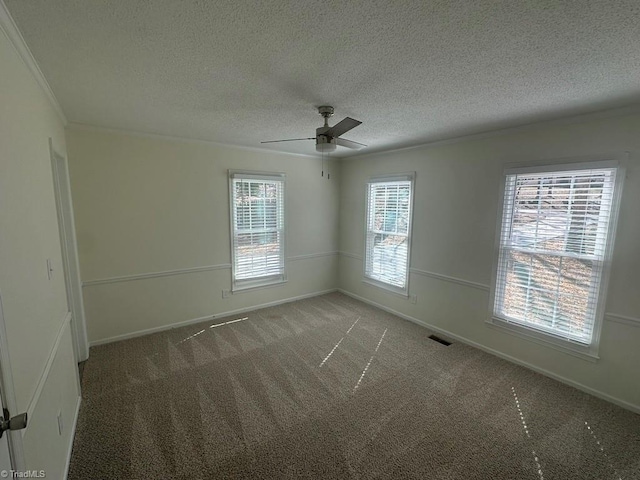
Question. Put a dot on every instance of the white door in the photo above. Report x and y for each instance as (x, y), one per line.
(11, 456)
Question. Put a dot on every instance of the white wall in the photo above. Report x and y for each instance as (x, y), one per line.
(150, 204)
(456, 202)
(35, 307)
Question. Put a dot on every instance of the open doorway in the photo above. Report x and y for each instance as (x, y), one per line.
(64, 207)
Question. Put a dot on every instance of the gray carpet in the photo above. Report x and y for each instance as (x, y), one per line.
(332, 388)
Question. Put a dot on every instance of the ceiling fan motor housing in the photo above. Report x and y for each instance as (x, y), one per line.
(324, 143)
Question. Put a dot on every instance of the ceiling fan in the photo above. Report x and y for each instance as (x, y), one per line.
(327, 138)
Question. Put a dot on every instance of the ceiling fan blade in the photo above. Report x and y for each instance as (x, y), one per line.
(289, 140)
(342, 127)
(343, 142)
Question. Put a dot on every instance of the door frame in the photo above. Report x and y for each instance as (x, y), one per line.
(69, 246)
(7, 391)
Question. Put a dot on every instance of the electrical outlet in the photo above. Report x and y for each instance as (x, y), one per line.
(60, 422)
(225, 293)
(413, 299)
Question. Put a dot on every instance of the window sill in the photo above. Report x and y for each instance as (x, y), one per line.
(388, 288)
(585, 352)
(257, 285)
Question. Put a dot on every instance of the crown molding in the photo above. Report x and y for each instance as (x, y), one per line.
(565, 120)
(10, 29)
(177, 138)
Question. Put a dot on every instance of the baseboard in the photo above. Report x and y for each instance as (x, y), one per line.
(73, 436)
(546, 373)
(47, 368)
(162, 328)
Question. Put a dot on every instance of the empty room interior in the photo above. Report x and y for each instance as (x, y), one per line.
(291, 239)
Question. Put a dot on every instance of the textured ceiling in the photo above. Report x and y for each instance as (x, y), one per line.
(239, 72)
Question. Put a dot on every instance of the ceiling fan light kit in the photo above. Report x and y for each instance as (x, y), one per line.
(325, 144)
(327, 138)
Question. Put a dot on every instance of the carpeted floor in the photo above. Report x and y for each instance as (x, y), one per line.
(332, 388)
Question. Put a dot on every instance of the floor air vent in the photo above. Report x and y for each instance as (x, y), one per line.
(439, 340)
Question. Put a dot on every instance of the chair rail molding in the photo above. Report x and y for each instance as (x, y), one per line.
(164, 273)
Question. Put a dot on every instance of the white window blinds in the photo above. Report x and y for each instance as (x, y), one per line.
(553, 244)
(257, 218)
(389, 203)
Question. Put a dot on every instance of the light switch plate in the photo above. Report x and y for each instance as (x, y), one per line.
(60, 422)
(49, 268)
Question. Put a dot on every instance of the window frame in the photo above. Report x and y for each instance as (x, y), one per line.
(256, 282)
(409, 176)
(573, 347)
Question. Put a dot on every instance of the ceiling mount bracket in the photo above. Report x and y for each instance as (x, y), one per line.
(325, 111)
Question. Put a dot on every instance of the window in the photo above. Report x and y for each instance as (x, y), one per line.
(556, 235)
(389, 205)
(257, 220)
